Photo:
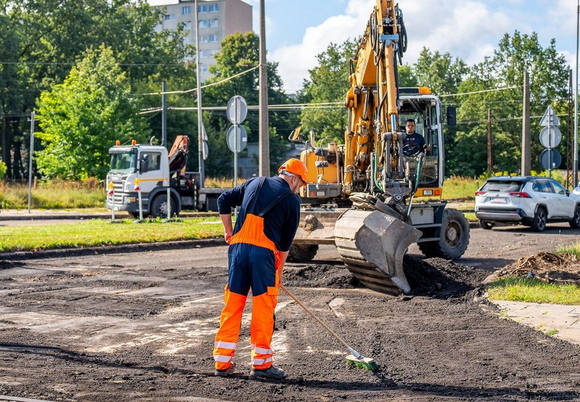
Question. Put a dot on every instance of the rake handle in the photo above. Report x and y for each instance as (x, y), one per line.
(318, 320)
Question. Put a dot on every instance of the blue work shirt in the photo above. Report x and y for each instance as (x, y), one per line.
(280, 223)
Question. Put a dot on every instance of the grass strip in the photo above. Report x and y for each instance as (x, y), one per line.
(532, 290)
(97, 232)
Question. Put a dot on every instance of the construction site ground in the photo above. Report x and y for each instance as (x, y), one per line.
(138, 323)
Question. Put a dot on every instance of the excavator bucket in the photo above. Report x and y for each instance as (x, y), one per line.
(372, 245)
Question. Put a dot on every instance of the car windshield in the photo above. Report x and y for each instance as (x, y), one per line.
(503, 186)
(123, 162)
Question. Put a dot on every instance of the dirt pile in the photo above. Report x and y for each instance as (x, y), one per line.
(547, 267)
(441, 278)
(434, 277)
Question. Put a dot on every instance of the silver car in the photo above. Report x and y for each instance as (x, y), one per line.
(529, 200)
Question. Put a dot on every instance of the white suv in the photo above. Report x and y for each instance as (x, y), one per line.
(530, 200)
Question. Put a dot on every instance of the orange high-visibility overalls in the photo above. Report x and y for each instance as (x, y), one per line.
(254, 262)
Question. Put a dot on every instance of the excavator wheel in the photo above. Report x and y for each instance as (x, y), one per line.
(454, 237)
(302, 252)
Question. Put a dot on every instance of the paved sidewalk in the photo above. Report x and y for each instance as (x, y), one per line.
(560, 321)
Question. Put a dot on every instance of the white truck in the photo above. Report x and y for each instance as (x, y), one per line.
(156, 171)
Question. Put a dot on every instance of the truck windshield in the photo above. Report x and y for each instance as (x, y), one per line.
(124, 162)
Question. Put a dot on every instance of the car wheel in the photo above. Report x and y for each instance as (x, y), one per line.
(540, 219)
(575, 222)
(486, 225)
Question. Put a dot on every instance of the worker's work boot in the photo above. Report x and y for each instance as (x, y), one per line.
(227, 372)
(271, 372)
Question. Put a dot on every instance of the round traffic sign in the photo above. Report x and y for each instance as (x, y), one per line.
(237, 109)
(550, 137)
(550, 159)
(237, 138)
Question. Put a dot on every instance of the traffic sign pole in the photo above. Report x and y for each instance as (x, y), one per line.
(235, 147)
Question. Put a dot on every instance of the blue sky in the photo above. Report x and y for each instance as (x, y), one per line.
(297, 30)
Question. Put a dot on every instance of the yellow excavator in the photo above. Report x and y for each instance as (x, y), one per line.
(360, 194)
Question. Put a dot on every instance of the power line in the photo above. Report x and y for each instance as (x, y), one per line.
(482, 91)
(203, 86)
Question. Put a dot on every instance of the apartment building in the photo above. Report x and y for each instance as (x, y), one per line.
(216, 20)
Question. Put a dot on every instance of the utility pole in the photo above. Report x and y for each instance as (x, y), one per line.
(264, 134)
(526, 143)
(570, 133)
(489, 143)
(30, 153)
(164, 114)
(575, 167)
(200, 139)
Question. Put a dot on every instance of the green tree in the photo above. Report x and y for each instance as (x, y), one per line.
(505, 69)
(406, 76)
(328, 82)
(440, 72)
(240, 53)
(81, 118)
(45, 37)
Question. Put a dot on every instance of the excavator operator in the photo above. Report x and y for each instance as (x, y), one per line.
(259, 245)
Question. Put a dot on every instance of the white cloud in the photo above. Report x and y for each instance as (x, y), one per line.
(295, 60)
(467, 29)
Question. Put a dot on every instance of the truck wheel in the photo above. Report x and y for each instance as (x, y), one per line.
(302, 252)
(575, 222)
(159, 207)
(540, 219)
(454, 237)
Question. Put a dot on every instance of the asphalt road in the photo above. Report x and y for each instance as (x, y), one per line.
(140, 325)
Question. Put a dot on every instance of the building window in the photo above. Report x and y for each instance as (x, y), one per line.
(187, 40)
(203, 24)
(186, 10)
(203, 54)
(213, 23)
(213, 38)
(213, 8)
(187, 25)
(202, 9)
(169, 17)
(213, 52)
(202, 38)
(204, 69)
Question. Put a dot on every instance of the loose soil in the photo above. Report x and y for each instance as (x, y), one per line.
(140, 326)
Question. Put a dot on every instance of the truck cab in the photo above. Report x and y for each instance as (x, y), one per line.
(150, 164)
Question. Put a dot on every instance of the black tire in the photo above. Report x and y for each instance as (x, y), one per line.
(575, 222)
(454, 237)
(540, 220)
(302, 252)
(486, 225)
(159, 207)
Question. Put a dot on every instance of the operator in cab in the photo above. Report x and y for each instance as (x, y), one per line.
(413, 145)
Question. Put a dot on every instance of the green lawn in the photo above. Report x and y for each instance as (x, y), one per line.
(103, 232)
(533, 290)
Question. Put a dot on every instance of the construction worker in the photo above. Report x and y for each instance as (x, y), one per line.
(259, 245)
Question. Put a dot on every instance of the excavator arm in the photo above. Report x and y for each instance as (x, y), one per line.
(372, 100)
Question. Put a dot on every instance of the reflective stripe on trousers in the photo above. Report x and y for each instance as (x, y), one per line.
(254, 262)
